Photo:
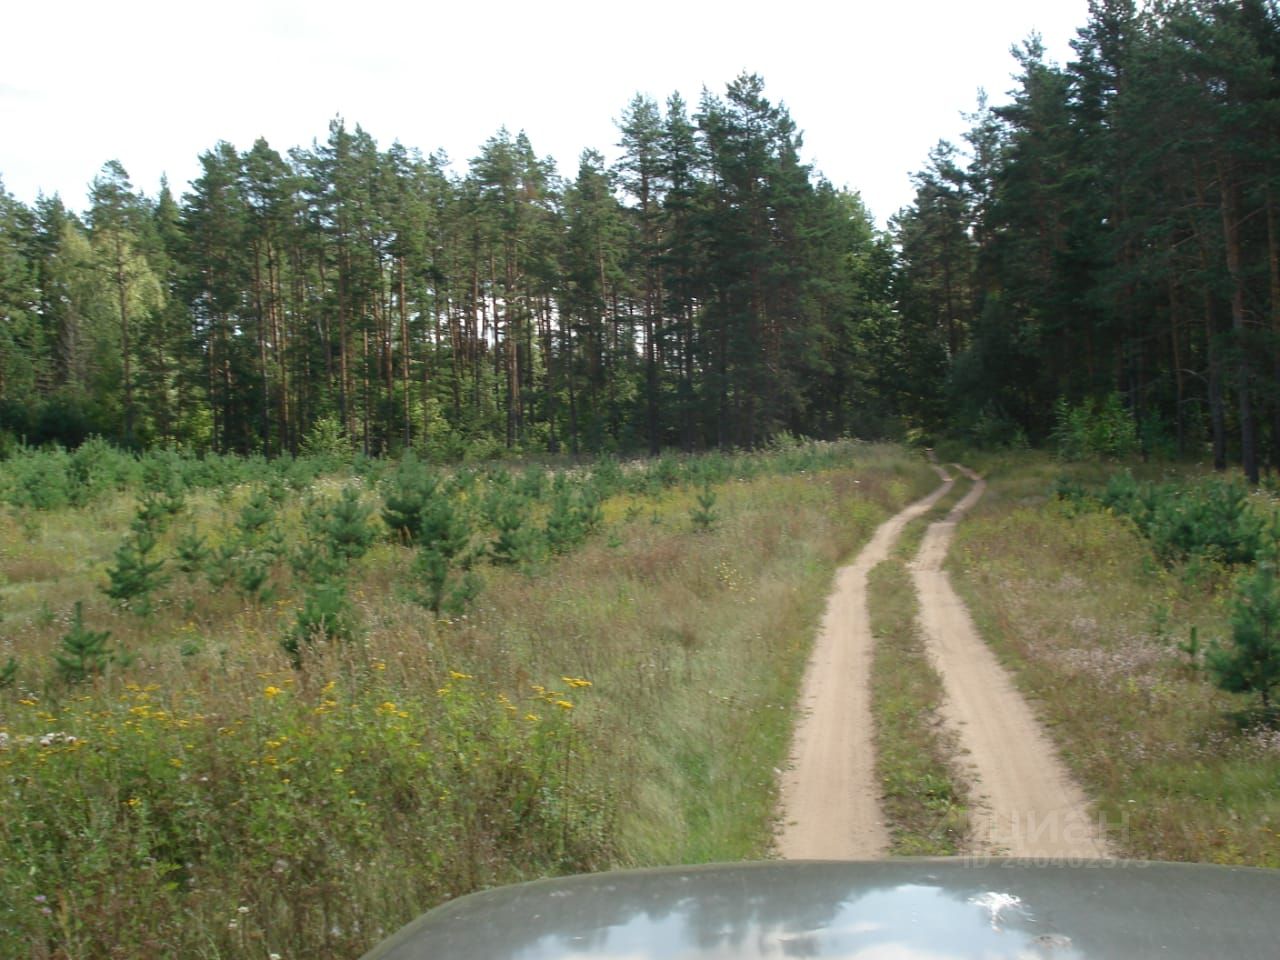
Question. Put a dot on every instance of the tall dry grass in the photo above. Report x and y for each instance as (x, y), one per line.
(1077, 604)
(626, 704)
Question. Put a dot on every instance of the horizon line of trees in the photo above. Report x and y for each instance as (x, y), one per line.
(708, 290)
(1106, 244)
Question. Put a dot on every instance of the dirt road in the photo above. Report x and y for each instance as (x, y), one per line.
(830, 799)
(1026, 802)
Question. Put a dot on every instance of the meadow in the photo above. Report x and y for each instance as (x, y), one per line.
(257, 709)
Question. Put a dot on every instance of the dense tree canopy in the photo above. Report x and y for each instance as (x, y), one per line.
(1115, 232)
(1108, 237)
(710, 289)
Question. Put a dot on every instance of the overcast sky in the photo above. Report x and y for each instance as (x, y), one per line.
(153, 83)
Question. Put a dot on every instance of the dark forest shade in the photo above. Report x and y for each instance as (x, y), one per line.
(1114, 231)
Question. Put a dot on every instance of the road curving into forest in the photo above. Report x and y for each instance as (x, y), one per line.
(1024, 801)
(830, 802)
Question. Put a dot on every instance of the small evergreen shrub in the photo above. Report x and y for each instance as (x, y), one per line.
(703, 515)
(326, 615)
(406, 495)
(1250, 663)
(1094, 428)
(136, 574)
(82, 654)
(515, 542)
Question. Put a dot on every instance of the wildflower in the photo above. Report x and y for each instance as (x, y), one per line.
(242, 910)
(576, 681)
(175, 762)
(272, 691)
(328, 687)
(455, 675)
(532, 717)
(134, 802)
(564, 704)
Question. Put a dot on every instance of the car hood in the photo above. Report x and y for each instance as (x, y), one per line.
(887, 910)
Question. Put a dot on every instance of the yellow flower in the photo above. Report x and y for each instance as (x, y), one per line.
(564, 704)
(328, 687)
(455, 675)
(532, 717)
(175, 761)
(134, 802)
(272, 691)
(576, 681)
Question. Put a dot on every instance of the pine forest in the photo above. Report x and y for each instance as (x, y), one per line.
(1108, 239)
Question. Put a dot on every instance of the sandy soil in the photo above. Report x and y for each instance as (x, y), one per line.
(1026, 802)
(830, 799)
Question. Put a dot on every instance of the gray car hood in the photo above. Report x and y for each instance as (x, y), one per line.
(889, 910)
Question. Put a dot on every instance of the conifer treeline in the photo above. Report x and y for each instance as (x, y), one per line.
(1110, 236)
(1114, 230)
(710, 289)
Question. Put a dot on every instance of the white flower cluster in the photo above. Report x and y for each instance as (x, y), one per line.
(52, 739)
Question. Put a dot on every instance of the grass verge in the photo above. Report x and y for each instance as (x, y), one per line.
(1074, 602)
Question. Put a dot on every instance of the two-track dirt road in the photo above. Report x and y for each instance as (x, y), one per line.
(1025, 803)
(830, 799)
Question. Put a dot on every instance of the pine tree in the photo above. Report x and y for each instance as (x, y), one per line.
(82, 654)
(1250, 663)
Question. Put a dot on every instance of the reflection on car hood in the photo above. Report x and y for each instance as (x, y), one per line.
(889, 910)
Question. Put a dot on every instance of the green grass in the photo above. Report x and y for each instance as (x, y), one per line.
(216, 802)
(924, 795)
(1075, 603)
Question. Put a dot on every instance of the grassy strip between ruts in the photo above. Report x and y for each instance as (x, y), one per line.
(1074, 602)
(626, 704)
(924, 795)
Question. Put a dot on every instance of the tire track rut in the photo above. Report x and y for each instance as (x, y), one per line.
(1025, 803)
(830, 800)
